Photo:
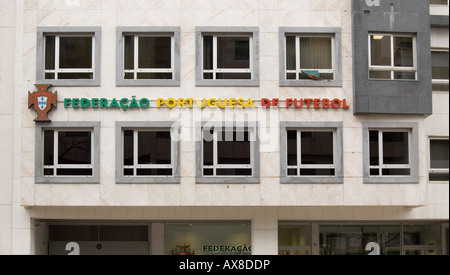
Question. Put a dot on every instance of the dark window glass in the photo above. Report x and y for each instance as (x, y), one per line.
(374, 148)
(128, 148)
(291, 54)
(74, 172)
(75, 53)
(234, 172)
(155, 52)
(75, 76)
(129, 52)
(234, 76)
(208, 147)
(292, 148)
(50, 52)
(49, 147)
(74, 148)
(439, 154)
(317, 172)
(123, 233)
(208, 53)
(316, 53)
(154, 172)
(233, 52)
(395, 148)
(403, 52)
(317, 147)
(70, 233)
(154, 148)
(154, 76)
(234, 148)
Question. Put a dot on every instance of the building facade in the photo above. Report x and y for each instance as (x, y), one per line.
(251, 127)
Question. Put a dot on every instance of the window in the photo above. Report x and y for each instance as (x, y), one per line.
(439, 151)
(229, 153)
(148, 56)
(69, 56)
(390, 153)
(392, 57)
(440, 60)
(310, 57)
(67, 153)
(439, 2)
(311, 152)
(149, 152)
(227, 57)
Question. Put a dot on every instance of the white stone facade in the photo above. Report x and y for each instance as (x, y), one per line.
(22, 201)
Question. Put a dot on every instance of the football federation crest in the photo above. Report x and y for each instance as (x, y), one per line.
(42, 100)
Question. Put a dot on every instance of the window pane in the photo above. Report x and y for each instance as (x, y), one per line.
(129, 52)
(396, 172)
(291, 53)
(403, 52)
(380, 75)
(128, 148)
(234, 172)
(155, 52)
(422, 234)
(233, 52)
(294, 235)
(75, 53)
(292, 148)
(74, 172)
(207, 52)
(317, 147)
(75, 76)
(154, 76)
(49, 142)
(234, 148)
(234, 76)
(154, 148)
(317, 172)
(395, 148)
(154, 172)
(316, 53)
(380, 50)
(403, 75)
(74, 148)
(374, 149)
(439, 152)
(49, 52)
(208, 148)
(440, 65)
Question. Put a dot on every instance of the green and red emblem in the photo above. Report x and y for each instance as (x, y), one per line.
(43, 100)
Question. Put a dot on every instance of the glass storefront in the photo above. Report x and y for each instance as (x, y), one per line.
(208, 239)
(362, 239)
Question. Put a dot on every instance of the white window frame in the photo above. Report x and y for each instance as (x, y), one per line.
(383, 166)
(431, 169)
(440, 81)
(300, 166)
(217, 70)
(298, 69)
(136, 154)
(136, 69)
(57, 69)
(393, 69)
(216, 165)
(56, 165)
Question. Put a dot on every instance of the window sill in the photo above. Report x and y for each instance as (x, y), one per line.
(227, 180)
(148, 83)
(71, 82)
(310, 83)
(312, 180)
(148, 180)
(391, 180)
(67, 180)
(227, 83)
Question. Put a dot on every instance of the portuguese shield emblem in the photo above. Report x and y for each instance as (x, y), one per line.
(42, 100)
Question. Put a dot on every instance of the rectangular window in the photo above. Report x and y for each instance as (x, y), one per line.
(148, 57)
(392, 57)
(311, 152)
(440, 61)
(439, 2)
(68, 153)
(228, 57)
(228, 152)
(391, 152)
(147, 153)
(439, 164)
(69, 57)
(309, 57)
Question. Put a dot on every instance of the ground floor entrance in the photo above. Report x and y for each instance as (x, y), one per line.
(236, 238)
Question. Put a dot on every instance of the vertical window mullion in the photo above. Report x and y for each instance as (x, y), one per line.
(55, 152)
(214, 57)
(380, 152)
(172, 54)
(297, 60)
(135, 152)
(93, 58)
(392, 56)
(299, 152)
(57, 53)
(136, 56)
(215, 152)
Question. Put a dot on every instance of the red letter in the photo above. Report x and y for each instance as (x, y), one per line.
(326, 103)
(275, 102)
(317, 103)
(345, 104)
(297, 105)
(265, 102)
(308, 102)
(336, 101)
(288, 102)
